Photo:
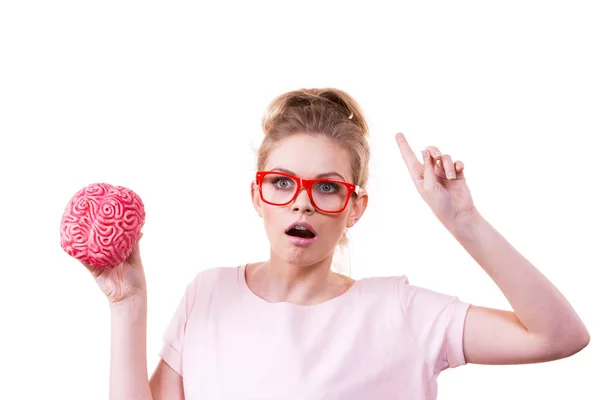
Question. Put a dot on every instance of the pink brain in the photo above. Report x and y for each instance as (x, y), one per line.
(101, 224)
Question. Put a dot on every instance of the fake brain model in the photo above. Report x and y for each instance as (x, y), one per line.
(101, 224)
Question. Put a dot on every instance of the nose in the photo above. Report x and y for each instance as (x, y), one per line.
(302, 202)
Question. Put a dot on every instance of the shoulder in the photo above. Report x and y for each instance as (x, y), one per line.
(213, 275)
(399, 289)
(207, 279)
(380, 288)
(207, 282)
(376, 284)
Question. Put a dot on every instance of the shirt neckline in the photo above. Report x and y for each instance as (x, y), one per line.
(284, 304)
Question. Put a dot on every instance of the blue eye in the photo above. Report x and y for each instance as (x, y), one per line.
(283, 183)
(328, 187)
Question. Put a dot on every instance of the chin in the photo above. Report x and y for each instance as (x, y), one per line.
(295, 256)
(301, 256)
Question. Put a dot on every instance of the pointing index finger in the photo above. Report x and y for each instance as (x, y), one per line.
(413, 164)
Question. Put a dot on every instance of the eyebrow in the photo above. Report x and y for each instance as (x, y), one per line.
(324, 175)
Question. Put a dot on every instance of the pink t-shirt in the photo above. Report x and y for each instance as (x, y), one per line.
(381, 339)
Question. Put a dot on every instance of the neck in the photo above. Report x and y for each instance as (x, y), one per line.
(277, 280)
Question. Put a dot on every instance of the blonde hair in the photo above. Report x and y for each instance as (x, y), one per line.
(329, 112)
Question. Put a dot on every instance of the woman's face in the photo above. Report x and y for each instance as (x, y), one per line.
(307, 157)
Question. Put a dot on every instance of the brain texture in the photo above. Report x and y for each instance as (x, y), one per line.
(101, 224)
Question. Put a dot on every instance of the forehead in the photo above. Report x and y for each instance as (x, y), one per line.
(310, 155)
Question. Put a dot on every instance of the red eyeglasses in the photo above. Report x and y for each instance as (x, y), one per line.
(327, 195)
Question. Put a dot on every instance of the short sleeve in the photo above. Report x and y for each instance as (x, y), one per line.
(436, 321)
(172, 349)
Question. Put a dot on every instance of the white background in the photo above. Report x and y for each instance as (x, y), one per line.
(166, 99)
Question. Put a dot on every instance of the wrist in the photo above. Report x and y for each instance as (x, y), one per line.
(137, 301)
(464, 225)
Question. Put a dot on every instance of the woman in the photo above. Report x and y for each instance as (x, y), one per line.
(291, 328)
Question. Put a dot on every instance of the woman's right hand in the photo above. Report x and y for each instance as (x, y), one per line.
(124, 280)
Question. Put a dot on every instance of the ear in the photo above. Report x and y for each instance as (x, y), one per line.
(256, 198)
(357, 209)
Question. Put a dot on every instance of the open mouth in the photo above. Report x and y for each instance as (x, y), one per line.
(300, 231)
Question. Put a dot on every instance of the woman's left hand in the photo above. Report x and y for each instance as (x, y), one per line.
(440, 182)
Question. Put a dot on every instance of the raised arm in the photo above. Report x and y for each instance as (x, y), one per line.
(125, 289)
(543, 326)
(128, 364)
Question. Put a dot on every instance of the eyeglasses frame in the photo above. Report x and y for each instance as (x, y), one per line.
(306, 184)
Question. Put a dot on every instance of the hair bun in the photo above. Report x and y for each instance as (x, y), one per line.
(329, 100)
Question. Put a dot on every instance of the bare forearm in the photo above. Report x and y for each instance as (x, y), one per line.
(128, 363)
(538, 304)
